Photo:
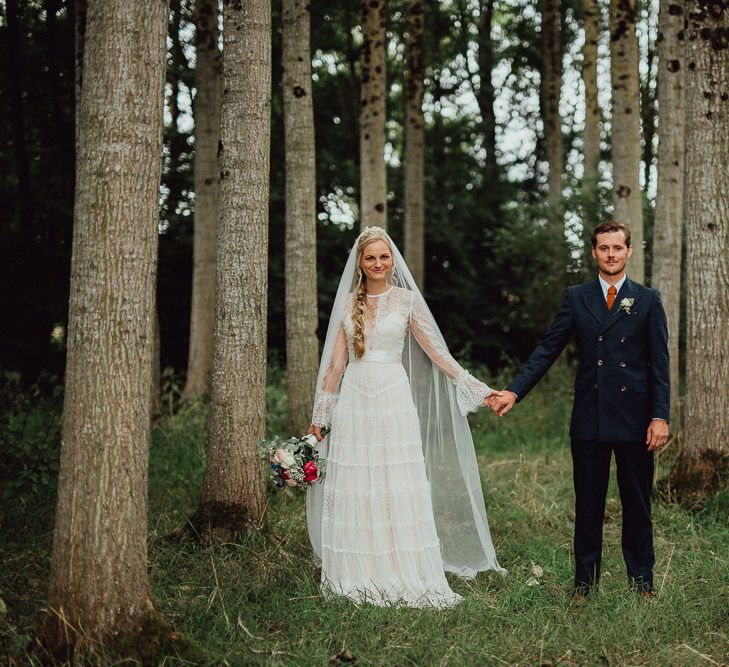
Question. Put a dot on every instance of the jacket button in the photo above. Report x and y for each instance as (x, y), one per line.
(622, 339)
(622, 364)
(594, 386)
(599, 362)
(599, 339)
(623, 388)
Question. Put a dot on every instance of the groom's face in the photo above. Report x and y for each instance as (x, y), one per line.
(611, 253)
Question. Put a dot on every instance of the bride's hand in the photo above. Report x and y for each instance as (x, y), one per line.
(316, 430)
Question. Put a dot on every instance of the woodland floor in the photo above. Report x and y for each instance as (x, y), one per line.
(256, 601)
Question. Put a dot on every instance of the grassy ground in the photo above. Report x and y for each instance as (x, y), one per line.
(256, 602)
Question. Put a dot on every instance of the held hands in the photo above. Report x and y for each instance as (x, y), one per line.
(657, 434)
(500, 402)
(316, 430)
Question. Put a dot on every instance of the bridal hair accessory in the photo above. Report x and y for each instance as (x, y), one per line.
(372, 231)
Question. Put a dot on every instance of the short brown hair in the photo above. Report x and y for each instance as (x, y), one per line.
(611, 226)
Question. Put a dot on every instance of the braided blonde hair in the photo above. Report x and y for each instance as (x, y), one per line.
(359, 306)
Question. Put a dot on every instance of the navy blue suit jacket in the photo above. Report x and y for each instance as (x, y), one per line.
(623, 378)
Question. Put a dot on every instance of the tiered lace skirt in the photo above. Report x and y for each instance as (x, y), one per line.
(379, 542)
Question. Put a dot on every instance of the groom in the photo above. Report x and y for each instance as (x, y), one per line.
(620, 405)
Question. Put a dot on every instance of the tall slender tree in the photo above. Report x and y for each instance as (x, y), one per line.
(373, 175)
(670, 195)
(415, 143)
(626, 146)
(302, 347)
(551, 88)
(99, 591)
(485, 97)
(591, 134)
(705, 453)
(207, 134)
(234, 493)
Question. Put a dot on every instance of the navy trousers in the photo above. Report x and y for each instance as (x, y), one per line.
(591, 474)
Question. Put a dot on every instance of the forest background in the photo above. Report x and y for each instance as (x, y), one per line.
(518, 168)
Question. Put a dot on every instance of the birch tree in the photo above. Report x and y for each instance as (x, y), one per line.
(233, 495)
(99, 591)
(671, 162)
(705, 453)
(415, 143)
(373, 175)
(302, 346)
(626, 146)
(207, 133)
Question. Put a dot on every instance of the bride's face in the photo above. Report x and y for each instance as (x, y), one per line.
(376, 261)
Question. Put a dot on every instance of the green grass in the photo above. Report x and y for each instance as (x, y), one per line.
(257, 602)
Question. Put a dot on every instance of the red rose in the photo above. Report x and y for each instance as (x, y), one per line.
(311, 472)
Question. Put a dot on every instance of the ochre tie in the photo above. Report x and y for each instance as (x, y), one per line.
(611, 296)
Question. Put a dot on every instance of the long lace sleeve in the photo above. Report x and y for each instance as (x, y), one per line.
(470, 392)
(328, 393)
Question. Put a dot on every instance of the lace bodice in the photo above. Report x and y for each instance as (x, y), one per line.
(390, 317)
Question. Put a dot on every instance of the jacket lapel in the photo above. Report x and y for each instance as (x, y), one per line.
(594, 300)
(616, 313)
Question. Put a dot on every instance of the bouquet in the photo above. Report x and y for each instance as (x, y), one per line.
(293, 462)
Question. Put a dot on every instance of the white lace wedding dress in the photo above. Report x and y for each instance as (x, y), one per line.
(378, 535)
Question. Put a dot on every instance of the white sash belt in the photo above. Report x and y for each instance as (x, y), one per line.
(380, 356)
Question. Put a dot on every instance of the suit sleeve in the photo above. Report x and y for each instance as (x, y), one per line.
(659, 360)
(547, 351)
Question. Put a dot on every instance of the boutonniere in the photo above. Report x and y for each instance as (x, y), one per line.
(627, 304)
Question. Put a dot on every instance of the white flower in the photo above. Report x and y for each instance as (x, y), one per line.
(286, 459)
(626, 304)
(310, 440)
(537, 571)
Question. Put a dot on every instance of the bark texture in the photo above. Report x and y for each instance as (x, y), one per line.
(668, 226)
(551, 87)
(415, 144)
(626, 146)
(302, 345)
(373, 175)
(485, 97)
(706, 441)
(234, 494)
(98, 585)
(207, 134)
(591, 134)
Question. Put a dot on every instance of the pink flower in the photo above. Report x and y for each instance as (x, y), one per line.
(311, 472)
(279, 456)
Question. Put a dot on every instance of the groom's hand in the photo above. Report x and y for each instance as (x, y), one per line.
(657, 434)
(502, 402)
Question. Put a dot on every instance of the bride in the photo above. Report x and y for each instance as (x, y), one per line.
(401, 501)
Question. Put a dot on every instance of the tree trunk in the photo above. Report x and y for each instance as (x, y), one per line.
(207, 134)
(485, 97)
(17, 119)
(705, 454)
(626, 147)
(373, 175)
(551, 87)
(415, 144)
(234, 489)
(670, 196)
(99, 590)
(302, 345)
(79, 27)
(155, 401)
(591, 135)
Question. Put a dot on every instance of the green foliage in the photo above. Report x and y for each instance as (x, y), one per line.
(30, 442)
(256, 601)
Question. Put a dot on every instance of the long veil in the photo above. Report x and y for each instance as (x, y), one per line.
(450, 459)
